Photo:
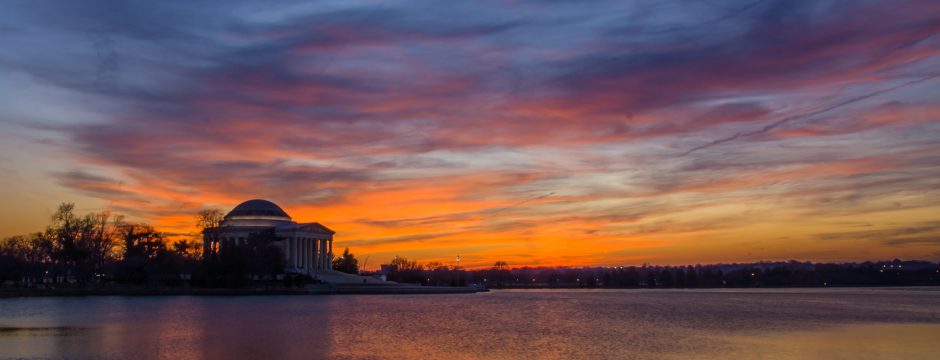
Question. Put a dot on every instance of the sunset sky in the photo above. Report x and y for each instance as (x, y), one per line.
(533, 132)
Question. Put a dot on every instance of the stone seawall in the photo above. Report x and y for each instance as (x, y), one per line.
(319, 289)
(404, 289)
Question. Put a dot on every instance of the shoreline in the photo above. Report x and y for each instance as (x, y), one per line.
(324, 289)
(352, 289)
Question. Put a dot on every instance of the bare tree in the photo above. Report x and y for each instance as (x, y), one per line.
(103, 241)
(187, 249)
(209, 218)
(403, 264)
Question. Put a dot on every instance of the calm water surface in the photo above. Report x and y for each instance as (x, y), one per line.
(549, 324)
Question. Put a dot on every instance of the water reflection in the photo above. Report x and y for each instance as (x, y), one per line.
(41, 330)
(502, 324)
(859, 341)
(166, 327)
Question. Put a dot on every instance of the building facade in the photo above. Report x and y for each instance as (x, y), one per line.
(307, 247)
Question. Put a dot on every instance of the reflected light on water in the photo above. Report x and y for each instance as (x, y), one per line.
(788, 324)
(860, 341)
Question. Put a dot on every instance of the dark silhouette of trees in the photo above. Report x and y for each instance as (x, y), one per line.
(76, 247)
(406, 271)
(15, 259)
(498, 274)
(148, 260)
(146, 257)
(229, 267)
(346, 263)
(191, 249)
(141, 241)
(259, 259)
(403, 264)
(209, 218)
(434, 273)
(650, 278)
(691, 277)
(266, 258)
(777, 274)
(438, 274)
(99, 249)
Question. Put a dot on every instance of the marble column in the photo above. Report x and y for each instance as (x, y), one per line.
(286, 248)
(320, 255)
(314, 253)
(325, 258)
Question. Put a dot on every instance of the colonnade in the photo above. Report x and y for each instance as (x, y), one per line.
(304, 254)
(307, 254)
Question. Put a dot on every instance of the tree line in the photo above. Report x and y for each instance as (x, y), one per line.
(100, 248)
(433, 273)
(92, 248)
(760, 274)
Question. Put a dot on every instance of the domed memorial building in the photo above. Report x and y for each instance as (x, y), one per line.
(308, 247)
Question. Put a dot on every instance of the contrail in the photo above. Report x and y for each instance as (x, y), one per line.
(522, 202)
(809, 114)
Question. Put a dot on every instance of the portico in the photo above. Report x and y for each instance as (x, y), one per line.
(307, 247)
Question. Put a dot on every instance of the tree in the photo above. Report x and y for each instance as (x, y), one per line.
(650, 278)
(78, 246)
(187, 249)
(14, 259)
(691, 278)
(141, 240)
(104, 239)
(666, 278)
(231, 267)
(142, 245)
(237, 265)
(404, 270)
(63, 238)
(403, 264)
(266, 259)
(209, 218)
(500, 273)
(346, 263)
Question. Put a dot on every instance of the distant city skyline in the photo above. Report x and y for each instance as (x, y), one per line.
(535, 133)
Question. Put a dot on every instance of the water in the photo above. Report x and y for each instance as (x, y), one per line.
(549, 324)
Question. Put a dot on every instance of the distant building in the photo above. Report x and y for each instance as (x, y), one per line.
(387, 269)
(308, 247)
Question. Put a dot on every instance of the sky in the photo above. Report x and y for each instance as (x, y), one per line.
(532, 132)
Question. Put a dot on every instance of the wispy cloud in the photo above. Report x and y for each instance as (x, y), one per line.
(501, 129)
